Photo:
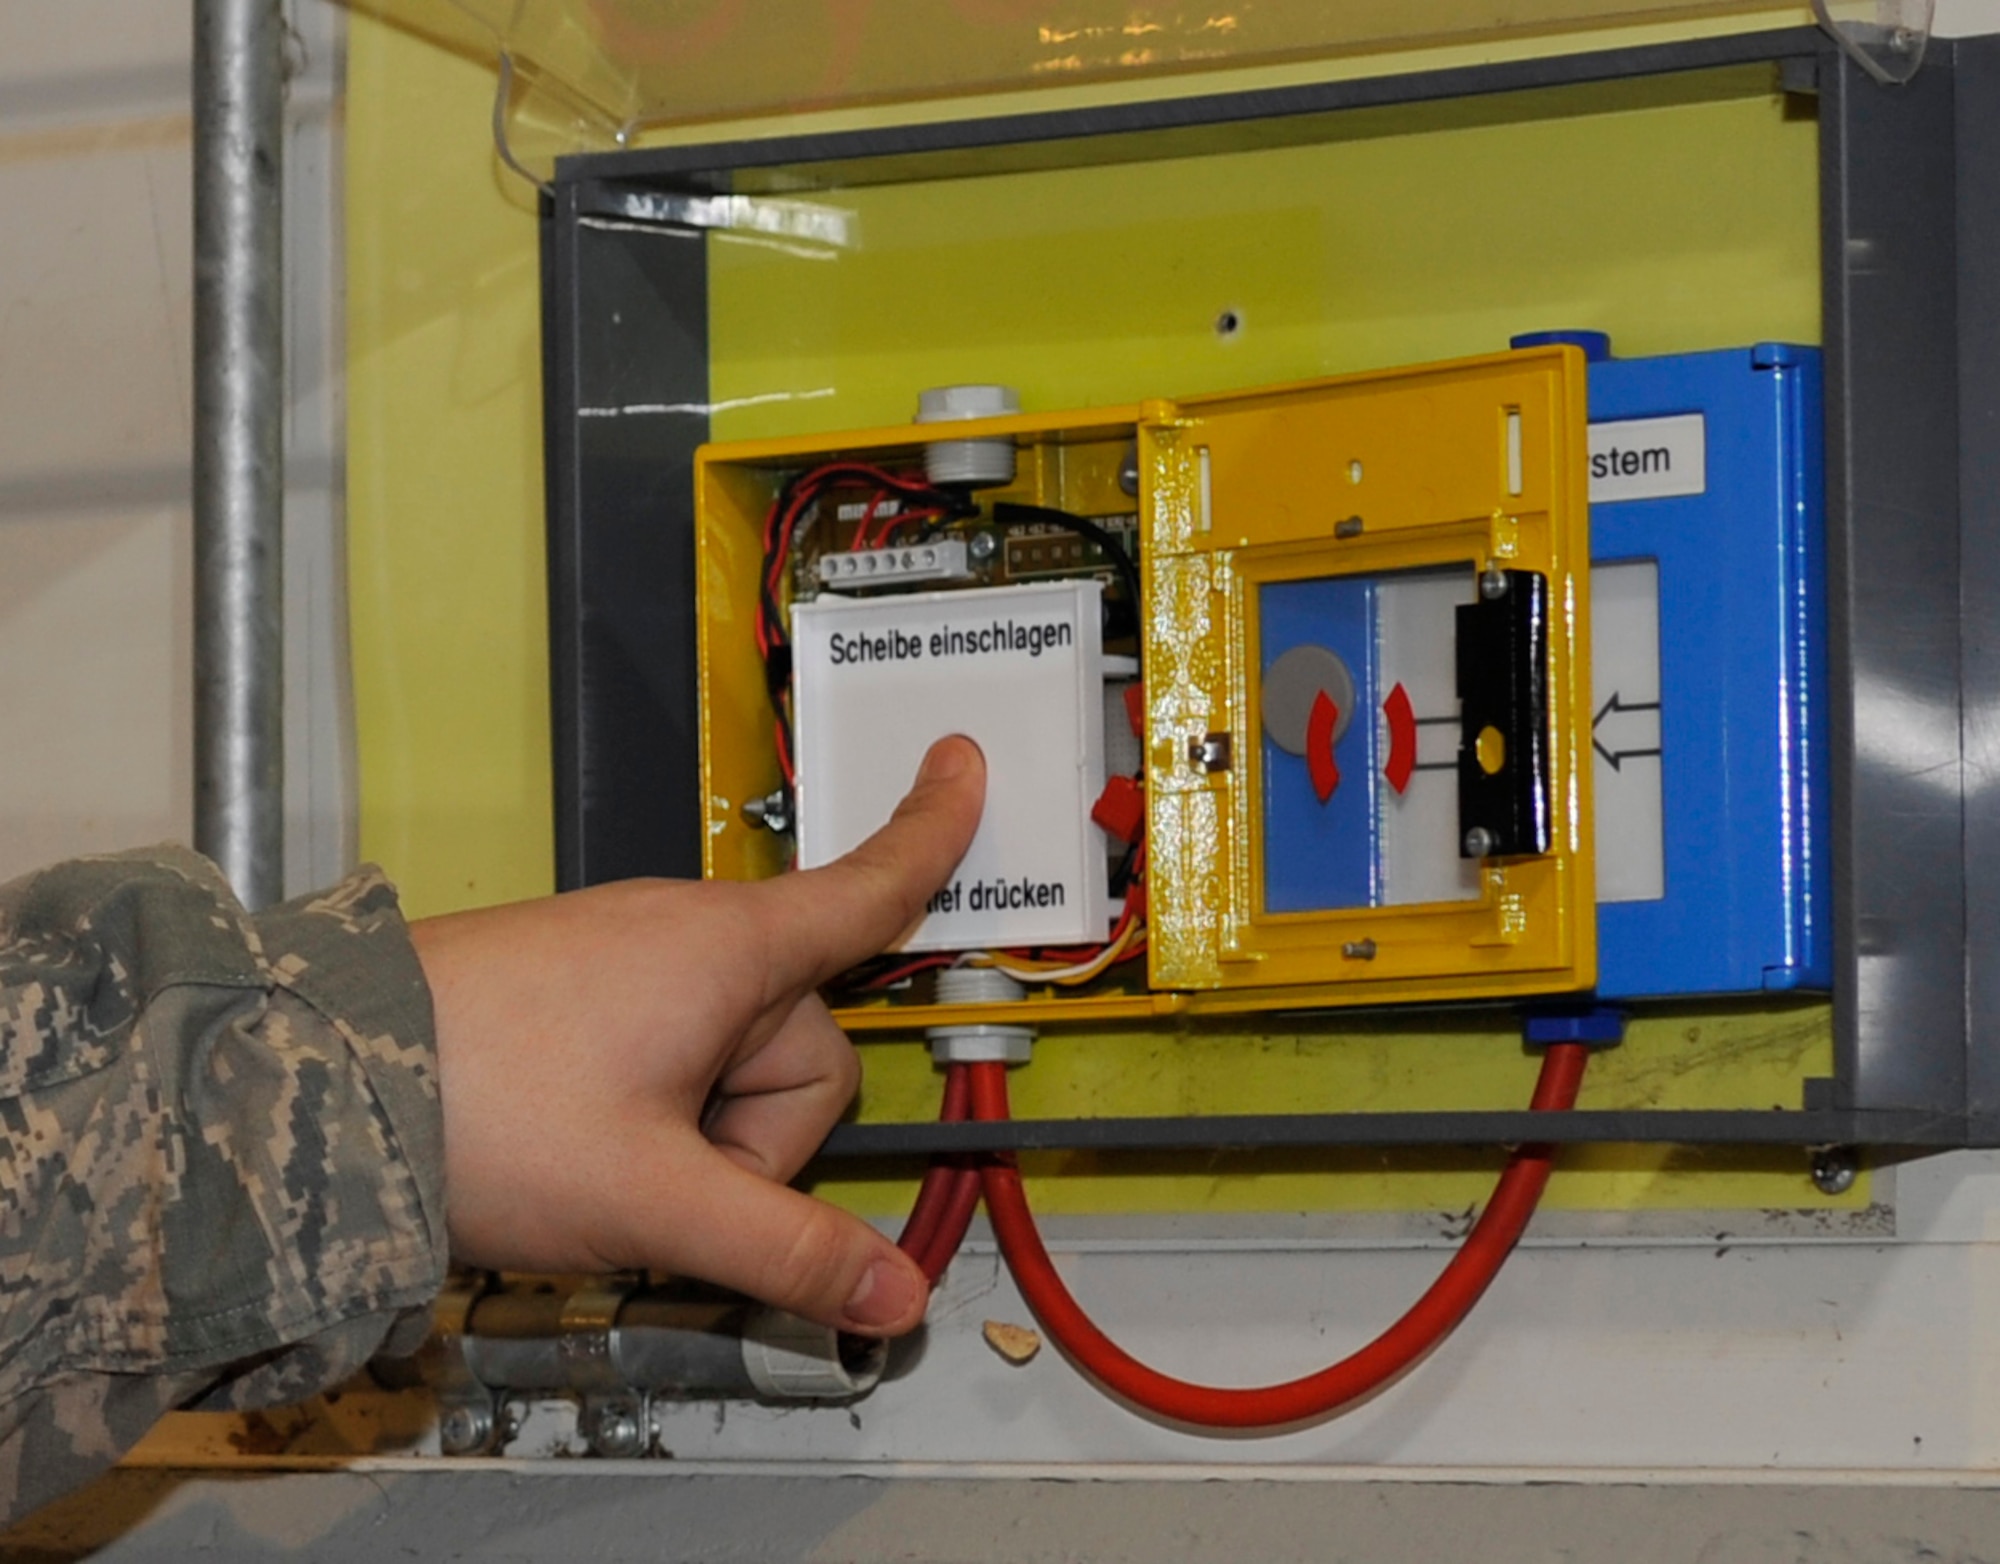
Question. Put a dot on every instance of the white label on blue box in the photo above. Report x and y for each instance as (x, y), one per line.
(1648, 458)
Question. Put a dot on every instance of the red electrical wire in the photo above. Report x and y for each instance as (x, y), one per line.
(961, 1201)
(940, 1177)
(1428, 1322)
(948, 1196)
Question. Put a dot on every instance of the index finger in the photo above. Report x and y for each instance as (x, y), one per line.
(822, 921)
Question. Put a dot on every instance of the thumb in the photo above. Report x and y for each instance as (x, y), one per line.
(791, 1251)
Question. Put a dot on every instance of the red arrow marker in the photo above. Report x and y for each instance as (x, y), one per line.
(1402, 738)
(1319, 746)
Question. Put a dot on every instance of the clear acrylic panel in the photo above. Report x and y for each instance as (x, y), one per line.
(616, 67)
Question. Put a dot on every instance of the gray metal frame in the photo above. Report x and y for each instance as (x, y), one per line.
(1910, 208)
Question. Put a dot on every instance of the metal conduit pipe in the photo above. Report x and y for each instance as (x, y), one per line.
(683, 1349)
(239, 458)
(619, 1348)
(668, 1346)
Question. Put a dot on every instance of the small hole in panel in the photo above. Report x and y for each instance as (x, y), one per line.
(1229, 324)
(1513, 450)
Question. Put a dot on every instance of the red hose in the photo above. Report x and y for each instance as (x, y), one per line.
(948, 1196)
(1428, 1322)
(940, 1178)
(961, 1202)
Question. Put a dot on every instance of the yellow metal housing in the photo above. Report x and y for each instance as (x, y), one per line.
(1238, 490)
(1479, 462)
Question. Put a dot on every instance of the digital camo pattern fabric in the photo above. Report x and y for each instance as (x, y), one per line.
(221, 1161)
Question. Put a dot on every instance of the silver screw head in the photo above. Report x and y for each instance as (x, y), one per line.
(1834, 1169)
(1479, 842)
(1492, 584)
(984, 546)
(464, 1429)
(617, 1435)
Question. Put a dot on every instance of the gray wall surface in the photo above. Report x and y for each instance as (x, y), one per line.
(139, 1517)
(96, 327)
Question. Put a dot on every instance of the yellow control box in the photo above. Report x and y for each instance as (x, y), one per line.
(1345, 656)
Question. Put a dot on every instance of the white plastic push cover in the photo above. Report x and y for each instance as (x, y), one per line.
(1019, 670)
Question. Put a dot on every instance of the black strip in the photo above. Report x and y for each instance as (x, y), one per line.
(1303, 1131)
(565, 526)
(1978, 136)
(1890, 271)
(1502, 657)
(627, 372)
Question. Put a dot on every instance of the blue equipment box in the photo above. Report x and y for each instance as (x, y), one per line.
(1706, 478)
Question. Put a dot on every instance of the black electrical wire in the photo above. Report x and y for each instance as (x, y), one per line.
(1008, 513)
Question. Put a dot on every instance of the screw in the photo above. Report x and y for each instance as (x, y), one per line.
(983, 546)
(773, 812)
(1359, 950)
(1903, 40)
(464, 1430)
(1128, 470)
(1350, 528)
(1480, 842)
(1834, 1169)
(1492, 583)
(617, 1434)
(1210, 753)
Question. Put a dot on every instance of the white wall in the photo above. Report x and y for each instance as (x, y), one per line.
(96, 747)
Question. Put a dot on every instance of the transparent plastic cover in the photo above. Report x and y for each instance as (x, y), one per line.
(610, 68)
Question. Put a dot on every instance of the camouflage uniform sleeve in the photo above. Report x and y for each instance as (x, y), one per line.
(221, 1164)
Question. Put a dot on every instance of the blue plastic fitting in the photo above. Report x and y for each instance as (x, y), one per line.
(1596, 345)
(1598, 1026)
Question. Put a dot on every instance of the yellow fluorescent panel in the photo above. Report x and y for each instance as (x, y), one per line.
(1676, 227)
(447, 585)
(1699, 1057)
(1088, 287)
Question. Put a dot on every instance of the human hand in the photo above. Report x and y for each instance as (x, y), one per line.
(631, 1074)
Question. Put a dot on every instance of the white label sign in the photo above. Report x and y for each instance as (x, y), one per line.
(1625, 730)
(1648, 458)
(1019, 670)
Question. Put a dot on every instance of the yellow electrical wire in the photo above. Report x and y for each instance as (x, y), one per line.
(1028, 970)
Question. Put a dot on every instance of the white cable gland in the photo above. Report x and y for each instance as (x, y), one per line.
(977, 464)
(977, 986)
(793, 1359)
(982, 1042)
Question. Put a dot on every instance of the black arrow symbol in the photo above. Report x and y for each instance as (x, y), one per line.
(1610, 708)
(1436, 765)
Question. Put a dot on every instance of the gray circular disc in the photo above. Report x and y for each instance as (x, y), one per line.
(1293, 683)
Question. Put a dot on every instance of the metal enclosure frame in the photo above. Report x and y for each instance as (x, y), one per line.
(1910, 206)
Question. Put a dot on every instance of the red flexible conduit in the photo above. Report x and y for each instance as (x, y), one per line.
(948, 1195)
(1428, 1322)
